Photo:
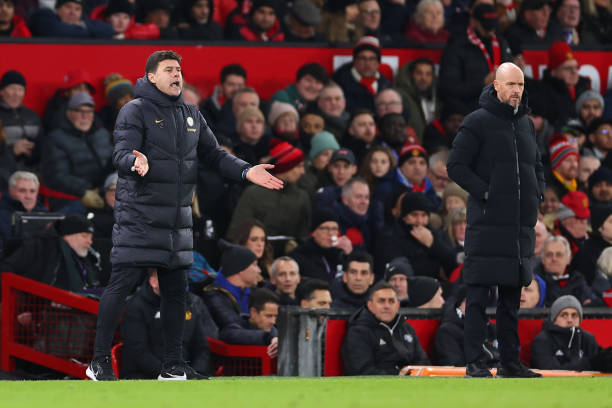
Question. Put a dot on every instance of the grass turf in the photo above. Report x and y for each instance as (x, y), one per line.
(313, 392)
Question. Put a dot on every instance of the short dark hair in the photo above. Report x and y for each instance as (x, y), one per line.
(359, 256)
(306, 289)
(159, 56)
(259, 297)
(315, 70)
(379, 286)
(421, 61)
(232, 69)
(359, 112)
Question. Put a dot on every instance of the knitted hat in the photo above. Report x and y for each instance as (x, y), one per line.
(421, 289)
(264, 3)
(278, 109)
(343, 154)
(599, 215)
(119, 6)
(563, 302)
(285, 157)
(587, 96)
(235, 258)
(453, 189)
(414, 202)
(12, 77)
(411, 150)
(561, 149)
(322, 141)
(246, 113)
(60, 3)
(574, 204)
(74, 224)
(111, 180)
(306, 13)
(558, 53)
(116, 87)
(322, 215)
(603, 173)
(367, 43)
(77, 77)
(487, 16)
(397, 266)
(80, 98)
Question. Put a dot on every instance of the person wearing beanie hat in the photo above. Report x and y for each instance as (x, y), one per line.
(22, 126)
(564, 345)
(585, 259)
(534, 295)
(564, 161)
(397, 273)
(323, 145)
(453, 197)
(560, 278)
(196, 21)
(67, 20)
(600, 185)
(369, 334)
(561, 84)
(118, 91)
(64, 260)
(425, 293)
(262, 23)
(283, 119)
(499, 239)
(252, 144)
(425, 247)
(153, 226)
(589, 106)
(360, 79)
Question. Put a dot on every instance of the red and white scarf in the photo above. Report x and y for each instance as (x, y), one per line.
(494, 43)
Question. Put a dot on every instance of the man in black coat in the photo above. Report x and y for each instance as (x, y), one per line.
(351, 290)
(378, 340)
(158, 142)
(495, 159)
(141, 333)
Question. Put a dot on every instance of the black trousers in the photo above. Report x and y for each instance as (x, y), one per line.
(475, 328)
(172, 287)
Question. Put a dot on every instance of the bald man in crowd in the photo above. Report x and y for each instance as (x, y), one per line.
(502, 212)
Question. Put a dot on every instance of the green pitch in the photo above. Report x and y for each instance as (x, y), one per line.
(314, 393)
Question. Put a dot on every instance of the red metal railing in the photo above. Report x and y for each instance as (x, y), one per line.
(46, 325)
(238, 360)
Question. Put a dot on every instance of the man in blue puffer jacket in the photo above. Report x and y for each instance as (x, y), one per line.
(159, 140)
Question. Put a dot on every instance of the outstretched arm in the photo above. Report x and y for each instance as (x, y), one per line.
(259, 175)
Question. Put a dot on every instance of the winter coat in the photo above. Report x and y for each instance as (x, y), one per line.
(397, 241)
(585, 259)
(356, 227)
(291, 96)
(357, 96)
(372, 347)
(317, 262)
(8, 206)
(418, 35)
(463, 63)
(73, 161)
(436, 137)
(135, 30)
(243, 332)
(153, 213)
(19, 28)
(141, 333)
(520, 34)
(412, 101)
(448, 342)
(596, 28)
(313, 180)
(343, 298)
(7, 165)
(20, 123)
(560, 348)
(283, 212)
(575, 285)
(562, 106)
(46, 23)
(386, 187)
(495, 154)
(49, 259)
(247, 31)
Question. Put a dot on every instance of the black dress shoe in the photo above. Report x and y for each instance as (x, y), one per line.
(516, 370)
(477, 369)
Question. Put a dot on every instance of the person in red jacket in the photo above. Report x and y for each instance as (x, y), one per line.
(12, 25)
(262, 24)
(120, 15)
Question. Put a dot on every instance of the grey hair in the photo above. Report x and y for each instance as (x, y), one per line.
(422, 6)
(438, 157)
(23, 175)
(604, 262)
(347, 188)
(558, 238)
(284, 259)
(387, 90)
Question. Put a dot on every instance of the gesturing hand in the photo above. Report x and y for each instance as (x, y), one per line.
(259, 175)
(141, 164)
(423, 235)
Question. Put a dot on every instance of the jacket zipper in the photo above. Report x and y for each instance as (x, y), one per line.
(179, 164)
(518, 182)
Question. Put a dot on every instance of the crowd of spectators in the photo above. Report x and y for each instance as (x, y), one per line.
(368, 219)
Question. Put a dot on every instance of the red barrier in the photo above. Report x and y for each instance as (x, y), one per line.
(40, 324)
(238, 360)
(269, 67)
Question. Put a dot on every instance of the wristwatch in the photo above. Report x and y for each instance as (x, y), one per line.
(244, 172)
